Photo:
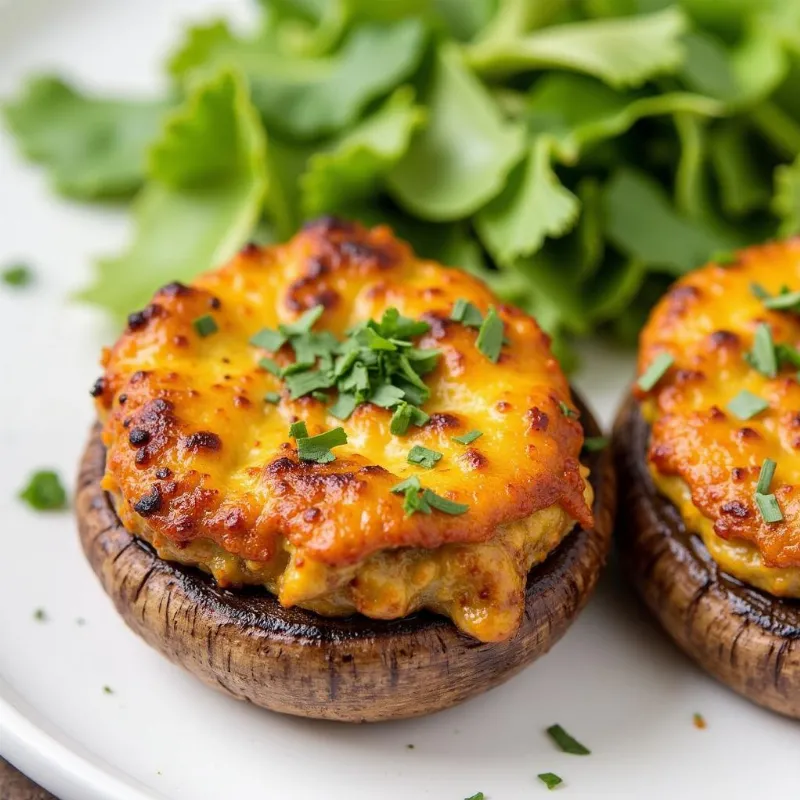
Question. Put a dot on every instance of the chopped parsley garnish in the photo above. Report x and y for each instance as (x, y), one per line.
(466, 313)
(17, 275)
(549, 779)
(272, 397)
(423, 500)
(205, 325)
(467, 438)
(769, 507)
(318, 448)
(44, 491)
(758, 291)
(655, 372)
(490, 336)
(566, 410)
(40, 615)
(404, 416)
(786, 301)
(767, 503)
(108, 690)
(443, 504)
(763, 357)
(566, 742)
(270, 365)
(594, 444)
(298, 430)
(747, 405)
(268, 339)
(765, 476)
(377, 363)
(478, 796)
(423, 457)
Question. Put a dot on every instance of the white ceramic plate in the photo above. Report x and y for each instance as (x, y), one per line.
(614, 681)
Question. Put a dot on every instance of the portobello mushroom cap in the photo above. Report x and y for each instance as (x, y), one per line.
(744, 637)
(351, 669)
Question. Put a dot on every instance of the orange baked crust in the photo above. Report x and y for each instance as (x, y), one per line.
(193, 447)
(707, 323)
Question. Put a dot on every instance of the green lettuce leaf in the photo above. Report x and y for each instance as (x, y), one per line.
(744, 183)
(191, 215)
(533, 205)
(462, 157)
(786, 203)
(350, 169)
(625, 51)
(578, 111)
(91, 147)
(642, 224)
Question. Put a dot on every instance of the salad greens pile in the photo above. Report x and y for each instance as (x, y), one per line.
(577, 154)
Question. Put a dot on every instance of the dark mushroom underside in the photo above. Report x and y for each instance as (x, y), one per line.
(350, 669)
(744, 637)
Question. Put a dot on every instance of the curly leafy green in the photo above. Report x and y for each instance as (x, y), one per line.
(576, 156)
(623, 52)
(207, 179)
(462, 158)
(351, 169)
(92, 148)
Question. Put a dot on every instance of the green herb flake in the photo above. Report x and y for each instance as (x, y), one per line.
(490, 336)
(272, 397)
(387, 396)
(270, 365)
(423, 457)
(655, 372)
(443, 504)
(478, 796)
(40, 615)
(404, 416)
(747, 405)
(268, 340)
(298, 430)
(549, 779)
(763, 357)
(566, 742)
(566, 410)
(44, 491)
(408, 483)
(17, 275)
(318, 448)
(765, 476)
(787, 301)
(595, 444)
(758, 291)
(303, 383)
(466, 313)
(344, 406)
(205, 325)
(303, 323)
(769, 507)
(108, 690)
(467, 438)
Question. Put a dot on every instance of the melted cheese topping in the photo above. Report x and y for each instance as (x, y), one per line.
(705, 459)
(205, 470)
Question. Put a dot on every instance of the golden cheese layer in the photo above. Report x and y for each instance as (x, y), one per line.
(205, 469)
(702, 456)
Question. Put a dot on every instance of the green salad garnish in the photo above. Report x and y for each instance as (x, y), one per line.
(577, 155)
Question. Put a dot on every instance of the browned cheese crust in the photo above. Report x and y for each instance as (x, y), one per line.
(707, 322)
(196, 458)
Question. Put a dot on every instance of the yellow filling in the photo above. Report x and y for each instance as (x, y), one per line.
(481, 587)
(740, 559)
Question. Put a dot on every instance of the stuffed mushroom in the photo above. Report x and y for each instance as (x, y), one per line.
(323, 473)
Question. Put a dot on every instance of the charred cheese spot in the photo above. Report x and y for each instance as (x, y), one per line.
(210, 477)
(704, 458)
